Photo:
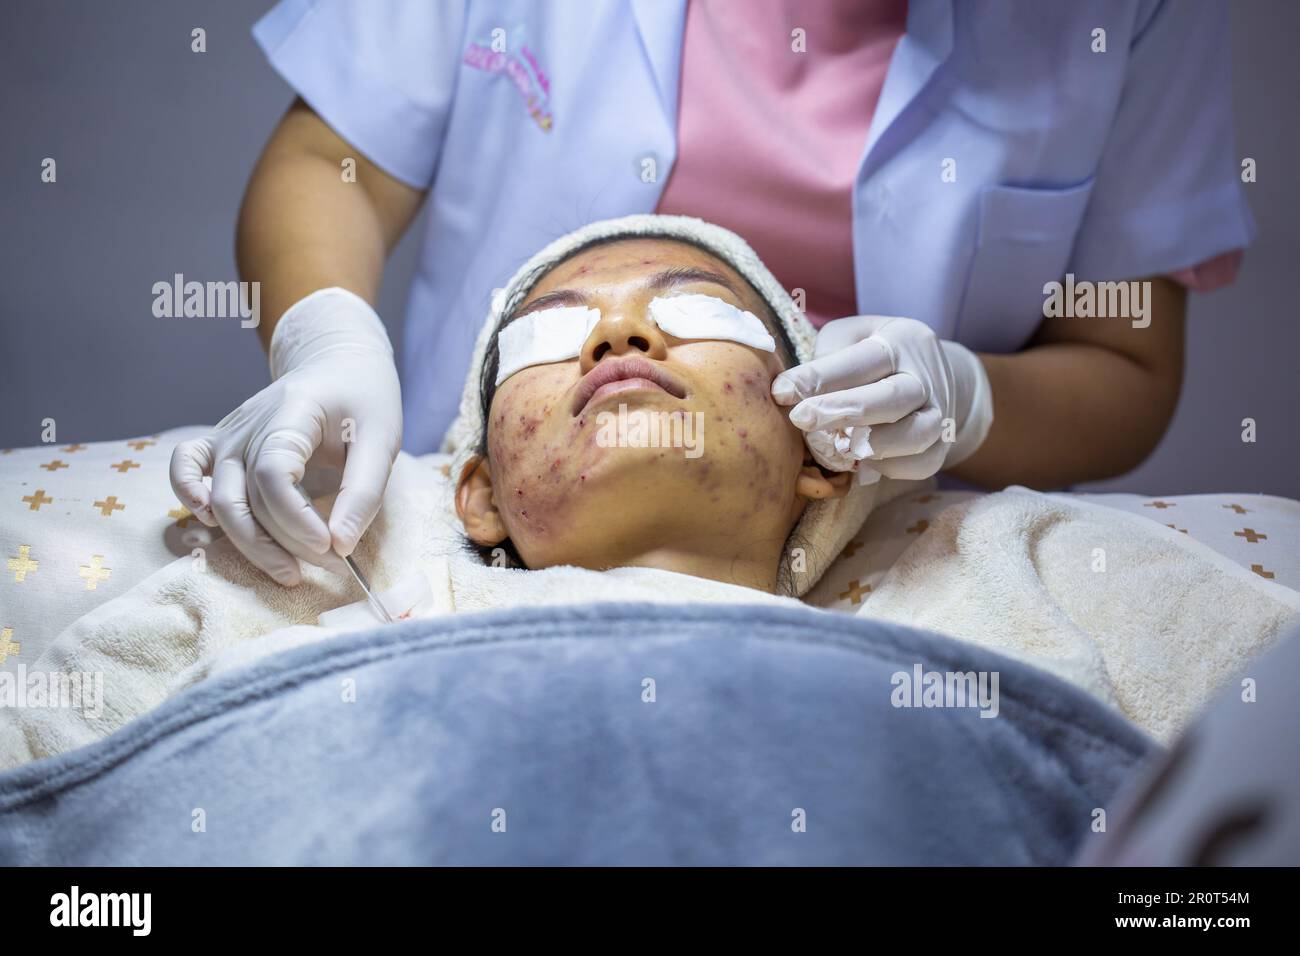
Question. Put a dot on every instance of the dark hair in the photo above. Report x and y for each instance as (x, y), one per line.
(491, 357)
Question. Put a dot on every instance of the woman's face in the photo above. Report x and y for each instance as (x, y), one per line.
(574, 473)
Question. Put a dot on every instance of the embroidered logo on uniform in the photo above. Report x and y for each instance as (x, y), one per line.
(519, 64)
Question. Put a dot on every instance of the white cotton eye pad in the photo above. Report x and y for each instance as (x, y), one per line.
(706, 317)
(542, 337)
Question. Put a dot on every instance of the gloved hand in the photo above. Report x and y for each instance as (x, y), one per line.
(875, 398)
(334, 396)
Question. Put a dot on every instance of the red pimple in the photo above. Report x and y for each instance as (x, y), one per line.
(742, 432)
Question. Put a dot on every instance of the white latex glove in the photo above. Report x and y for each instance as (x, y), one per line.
(331, 362)
(875, 397)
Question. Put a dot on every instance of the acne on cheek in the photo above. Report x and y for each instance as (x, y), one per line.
(750, 386)
(535, 484)
(512, 422)
(743, 414)
(538, 482)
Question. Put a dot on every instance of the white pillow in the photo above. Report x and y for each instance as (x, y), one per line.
(79, 525)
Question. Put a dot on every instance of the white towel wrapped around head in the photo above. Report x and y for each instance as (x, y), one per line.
(827, 525)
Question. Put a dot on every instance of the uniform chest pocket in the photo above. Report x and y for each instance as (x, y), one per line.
(1023, 240)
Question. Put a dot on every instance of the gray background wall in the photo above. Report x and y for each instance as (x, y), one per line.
(154, 144)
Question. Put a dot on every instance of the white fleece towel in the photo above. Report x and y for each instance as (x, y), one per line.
(190, 620)
(1154, 634)
(1145, 618)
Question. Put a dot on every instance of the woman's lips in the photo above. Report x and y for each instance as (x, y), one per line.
(632, 373)
(623, 385)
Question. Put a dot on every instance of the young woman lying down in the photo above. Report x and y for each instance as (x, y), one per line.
(617, 441)
(630, 422)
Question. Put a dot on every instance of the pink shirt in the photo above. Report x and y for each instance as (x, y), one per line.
(769, 140)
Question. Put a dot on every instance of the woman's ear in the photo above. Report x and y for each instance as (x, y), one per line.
(474, 504)
(816, 483)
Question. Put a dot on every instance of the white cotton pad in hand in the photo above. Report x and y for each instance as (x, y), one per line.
(844, 449)
(409, 597)
(543, 337)
(707, 317)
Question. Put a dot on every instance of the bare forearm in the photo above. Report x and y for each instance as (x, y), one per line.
(1068, 412)
(303, 226)
(1088, 399)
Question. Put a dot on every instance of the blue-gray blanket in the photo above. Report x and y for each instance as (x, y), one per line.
(607, 734)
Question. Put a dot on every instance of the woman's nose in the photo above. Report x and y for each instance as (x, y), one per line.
(623, 332)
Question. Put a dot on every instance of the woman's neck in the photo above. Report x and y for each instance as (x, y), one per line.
(751, 570)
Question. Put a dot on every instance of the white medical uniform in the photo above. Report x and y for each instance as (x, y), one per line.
(527, 119)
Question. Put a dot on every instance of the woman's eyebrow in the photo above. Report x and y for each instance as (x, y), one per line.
(685, 274)
(681, 275)
(559, 297)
